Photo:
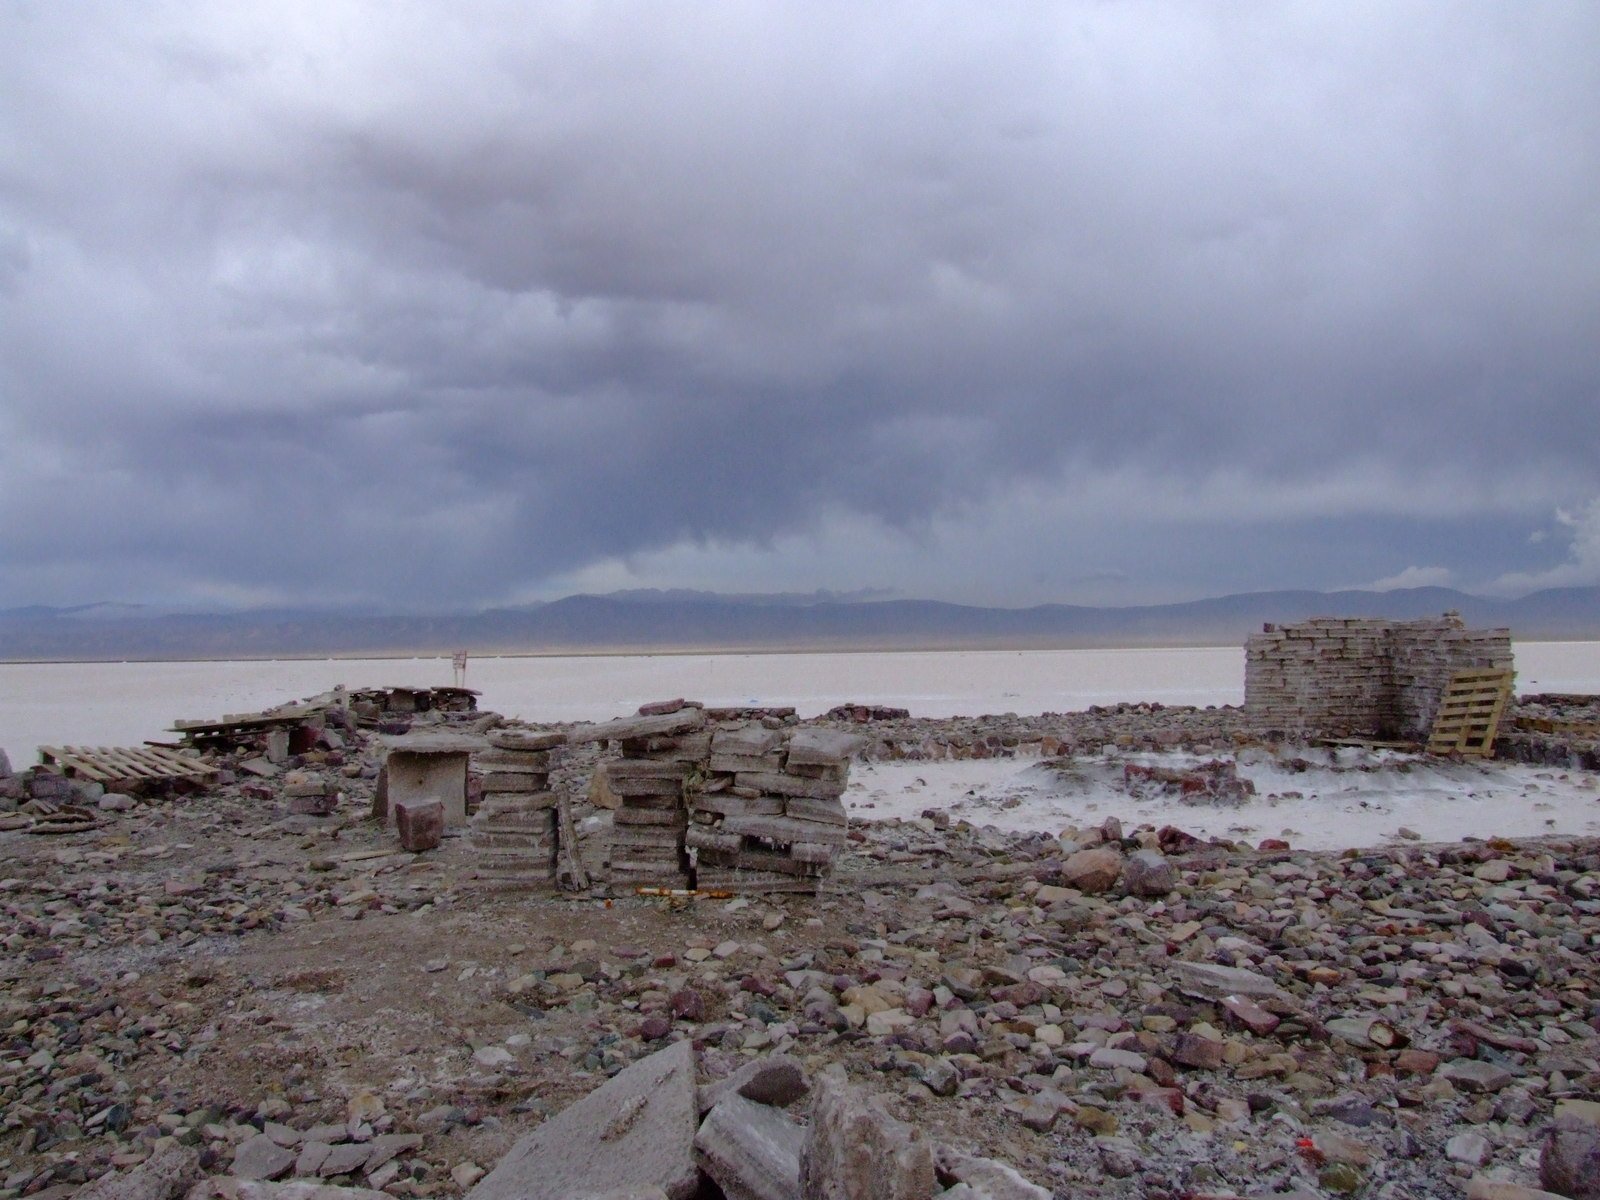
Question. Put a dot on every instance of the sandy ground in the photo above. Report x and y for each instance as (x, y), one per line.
(1314, 799)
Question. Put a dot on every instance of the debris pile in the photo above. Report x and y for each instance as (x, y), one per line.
(514, 829)
(1214, 782)
(767, 811)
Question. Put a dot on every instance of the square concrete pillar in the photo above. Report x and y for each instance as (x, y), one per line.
(424, 767)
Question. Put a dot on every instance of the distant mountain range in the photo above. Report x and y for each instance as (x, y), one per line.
(657, 621)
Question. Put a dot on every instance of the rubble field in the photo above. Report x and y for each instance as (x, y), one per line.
(1114, 1011)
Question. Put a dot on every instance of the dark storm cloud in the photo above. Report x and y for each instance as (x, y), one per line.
(445, 303)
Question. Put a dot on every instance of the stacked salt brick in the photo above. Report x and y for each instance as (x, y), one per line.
(514, 829)
(1425, 655)
(767, 813)
(1327, 674)
(1348, 677)
(662, 749)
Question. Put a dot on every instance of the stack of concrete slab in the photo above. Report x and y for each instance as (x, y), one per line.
(662, 750)
(514, 832)
(767, 813)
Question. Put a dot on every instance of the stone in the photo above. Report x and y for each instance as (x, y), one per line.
(1479, 1188)
(420, 824)
(345, 1159)
(1092, 871)
(169, 1171)
(224, 1188)
(262, 1158)
(635, 1131)
(986, 1177)
(1191, 1050)
(1119, 1157)
(314, 804)
(1112, 1060)
(1569, 1162)
(493, 1057)
(1471, 1148)
(777, 1079)
(854, 1150)
(1212, 981)
(1472, 1075)
(115, 802)
(751, 1150)
(1148, 873)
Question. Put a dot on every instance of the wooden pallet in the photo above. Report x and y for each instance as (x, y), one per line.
(1469, 715)
(123, 764)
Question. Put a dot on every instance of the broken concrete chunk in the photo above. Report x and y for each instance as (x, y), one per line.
(751, 1150)
(637, 1131)
(168, 1172)
(855, 1150)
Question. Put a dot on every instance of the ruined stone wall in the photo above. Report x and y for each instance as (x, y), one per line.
(1362, 677)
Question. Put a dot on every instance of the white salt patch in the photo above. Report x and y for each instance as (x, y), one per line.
(1353, 799)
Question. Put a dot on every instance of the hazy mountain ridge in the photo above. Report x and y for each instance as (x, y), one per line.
(658, 621)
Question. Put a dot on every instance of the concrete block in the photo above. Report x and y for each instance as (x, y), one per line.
(636, 1131)
(751, 1150)
(420, 824)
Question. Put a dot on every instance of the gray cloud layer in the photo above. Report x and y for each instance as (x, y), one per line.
(444, 304)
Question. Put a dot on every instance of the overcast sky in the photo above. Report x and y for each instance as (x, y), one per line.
(472, 303)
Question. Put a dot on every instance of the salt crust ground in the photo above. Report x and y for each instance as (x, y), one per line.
(1346, 798)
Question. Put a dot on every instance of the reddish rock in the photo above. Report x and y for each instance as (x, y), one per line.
(653, 1029)
(688, 1005)
(1417, 1062)
(1192, 1050)
(315, 804)
(421, 825)
(1092, 870)
(1252, 1016)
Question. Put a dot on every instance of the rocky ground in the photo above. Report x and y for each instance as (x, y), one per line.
(1115, 1016)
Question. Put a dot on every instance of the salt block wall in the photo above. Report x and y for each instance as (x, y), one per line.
(1362, 677)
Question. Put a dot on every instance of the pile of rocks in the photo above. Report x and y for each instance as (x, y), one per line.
(661, 748)
(514, 831)
(767, 811)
